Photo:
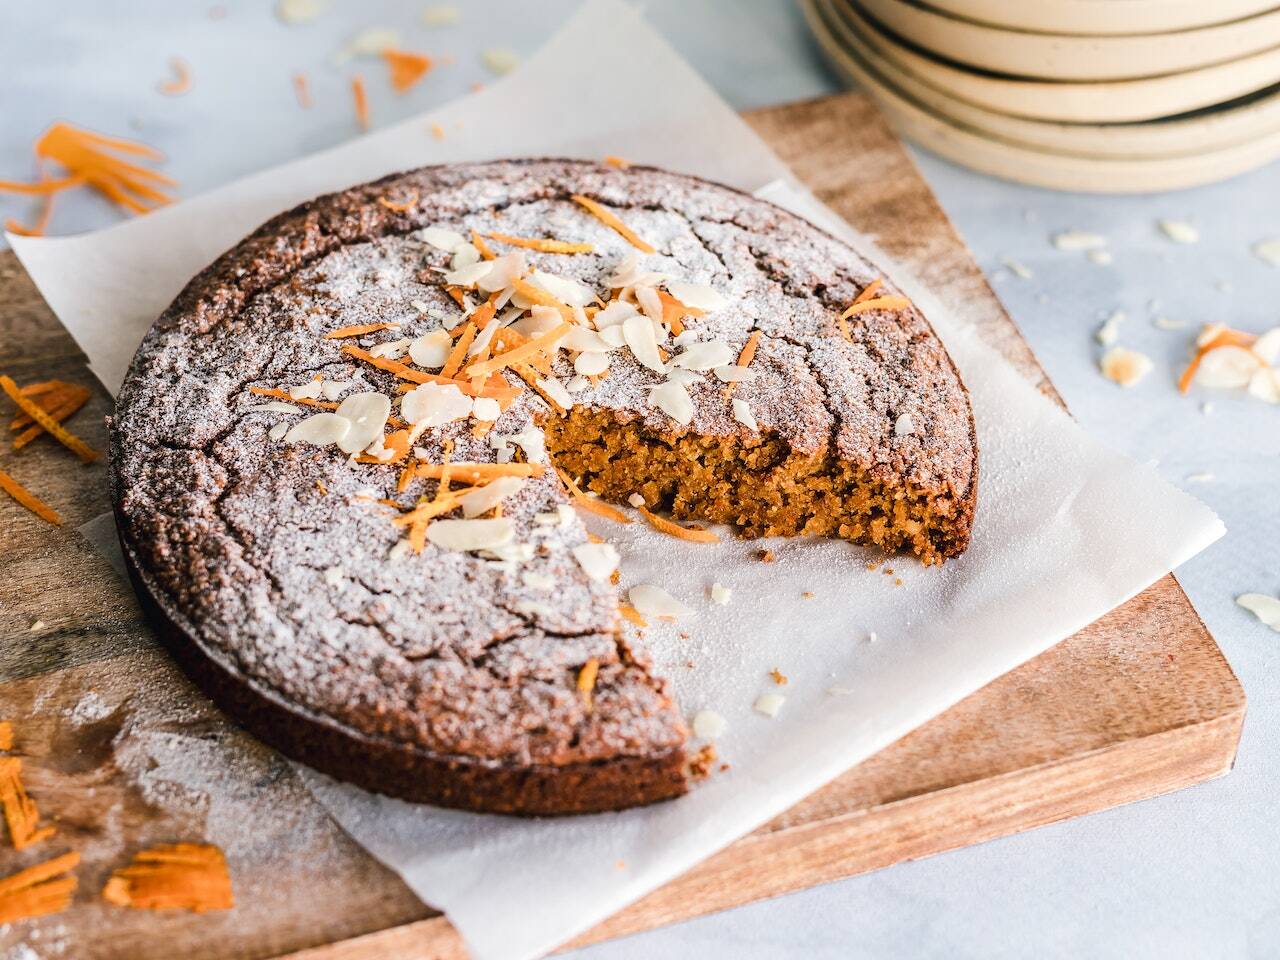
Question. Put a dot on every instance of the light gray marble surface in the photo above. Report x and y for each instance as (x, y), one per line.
(1194, 874)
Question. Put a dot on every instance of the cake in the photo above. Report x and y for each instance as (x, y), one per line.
(345, 461)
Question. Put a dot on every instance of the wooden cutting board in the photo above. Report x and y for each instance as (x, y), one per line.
(121, 751)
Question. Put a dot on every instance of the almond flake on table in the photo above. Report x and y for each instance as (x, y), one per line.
(1078, 240)
(441, 15)
(1109, 332)
(769, 704)
(435, 404)
(299, 11)
(306, 391)
(470, 275)
(1124, 366)
(1228, 367)
(391, 349)
(1179, 231)
(469, 535)
(333, 389)
(1266, 608)
(370, 42)
(653, 601)
(275, 406)
(442, 238)
(486, 409)
(591, 364)
(707, 355)
(556, 391)
(500, 60)
(1199, 478)
(37, 626)
(1165, 323)
(709, 725)
(720, 594)
(1264, 385)
(1268, 251)
(597, 560)
(1101, 257)
(1017, 268)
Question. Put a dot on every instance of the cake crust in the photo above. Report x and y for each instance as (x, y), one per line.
(445, 677)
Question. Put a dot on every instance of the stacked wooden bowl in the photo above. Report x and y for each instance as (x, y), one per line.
(1105, 96)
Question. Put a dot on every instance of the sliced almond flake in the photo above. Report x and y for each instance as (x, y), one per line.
(320, 429)
(420, 306)
(1227, 368)
(367, 413)
(577, 384)
(540, 320)
(1265, 608)
(486, 409)
(530, 440)
(442, 238)
(471, 535)
(484, 338)
(613, 314)
(1264, 385)
(635, 500)
(333, 389)
(597, 560)
(637, 332)
(1101, 257)
(1268, 251)
(490, 495)
(402, 550)
(1267, 346)
(275, 406)
(720, 594)
(584, 340)
(903, 425)
(1018, 269)
(1206, 408)
(769, 704)
(1078, 240)
(503, 272)
(391, 349)
(732, 373)
(1125, 367)
(568, 292)
(1109, 332)
(706, 356)
(278, 431)
(1165, 323)
(556, 391)
(431, 350)
(742, 413)
(614, 336)
(1199, 478)
(653, 601)
(627, 273)
(369, 42)
(435, 404)
(673, 400)
(708, 725)
(441, 15)
(1179, 231)
(699, 296)
(469, 275)
(307, 391)
(591, 364)
(299, 11)
(500, 60)
(464, 255)
(650, 303)
(685, 378)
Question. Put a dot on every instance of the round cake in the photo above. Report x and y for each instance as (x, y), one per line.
(346, 461)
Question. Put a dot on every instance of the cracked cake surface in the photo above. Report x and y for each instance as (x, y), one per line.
(456, 672)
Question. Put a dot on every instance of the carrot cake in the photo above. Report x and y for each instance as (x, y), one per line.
(345, 461)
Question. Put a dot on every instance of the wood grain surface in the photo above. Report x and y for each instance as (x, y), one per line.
(120, 751)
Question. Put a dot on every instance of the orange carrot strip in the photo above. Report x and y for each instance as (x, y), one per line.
(41, 186)
(745, 357)
(591, 504)
(528, 349)
(543, 245)
(587, 681)
(20, 811)
(875, 303)
(1226, 338)
(477, 241)
(401, 207)
(458, 296)
(361, 101)
(617, 162)
(6, 734)
(48, 399)
(475, 472)
(359, 330)
(302, 91)
(44, 386)
(542, 298)
(67, 439)
(284, 395)
(459, 352)
(663, 525)
(180, 83)
(28, 499)
(179, 876)
(610, 220)
(60, 413)
(406, 68)
(398, 442)
(631, 613)
(38, 890)
(869, 290)
(674, 312)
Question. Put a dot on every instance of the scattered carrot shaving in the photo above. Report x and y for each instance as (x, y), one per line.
(302, 91)
(746, 356)
(359, 330)
(870, 290)
(632, 614)
(477, 241)
(361, 101)
(406, 68)
(612, 222)
(875, 303)
(67, 439)
(539, 344)
(28, 499)
(6, 734)
(405, 478)
(284, 395)
(49, 399)
(43, 386)
(173, 876)
(38, 228)
(587, 681)
(459, 351)
(591, 504)
(496, 388)
(20, 811)
(542, 244)
(459, 297)
(429, 510)
(477, 472)
(674, 312)
(180, 83)
(82, 153)
(662, 525)
(401, 207)
(542, 298)
(530, 376)
(398, 442)
(437, 131)
(618, 162)
(1225, 338)
(70, 403)
(38, 890)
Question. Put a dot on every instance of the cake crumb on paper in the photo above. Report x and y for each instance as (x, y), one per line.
(1124, 366)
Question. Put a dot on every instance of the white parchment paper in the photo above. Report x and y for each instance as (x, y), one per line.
(1065, 530)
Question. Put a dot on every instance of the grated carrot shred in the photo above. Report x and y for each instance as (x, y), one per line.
(539, 344)
(587, 682)
(591, 504)
(361, 100)
(400, 207)
(302, 90)
(632, 614)
(398, 441)
(66, 438)
(50, 399)
(459, 351)
(542, 298)
(477, 472)
(530, 376)
(71, 402)
(477, 241)
(612, 222)
(359, 330)
(495, 388)
(437, 131)
(38, 890)
(674, 312)
(870, 290)
(28, 499)
(6, 734)
(875, 303)
(663, 525)
(407, 68)
(541, 244)
(618, 162)
(180, 82)
(277, 394)
(38, 228)
(173, 876)
(458, 296)
(745, 357)
(1225, 338)
(20, 811)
